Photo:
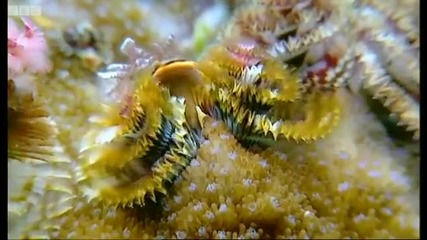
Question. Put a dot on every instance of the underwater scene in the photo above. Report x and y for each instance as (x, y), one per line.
(213, 119)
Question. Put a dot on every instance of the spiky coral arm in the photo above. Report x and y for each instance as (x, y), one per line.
(299, 121)
(391, 47)
(403, 15)
(149, 148)
(307, 120)
(380, 85)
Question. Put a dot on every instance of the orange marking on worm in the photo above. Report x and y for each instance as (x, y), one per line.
(173, 69)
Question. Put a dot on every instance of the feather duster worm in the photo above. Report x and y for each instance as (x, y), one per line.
(403, 15)
(380, 85)
(257, 74)
(291, 30)
(294, 46)
(183, 80)
(261, 23)
(381, 35)
(27, 48)
(306, 120)
(285, 29)
(262, 102)
(29, 129)
(239, 120)
(134, 156)
(390, 66)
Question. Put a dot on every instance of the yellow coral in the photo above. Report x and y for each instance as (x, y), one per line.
(97, 221)
(229, 192)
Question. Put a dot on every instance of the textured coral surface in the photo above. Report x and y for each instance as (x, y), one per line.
(355, 183)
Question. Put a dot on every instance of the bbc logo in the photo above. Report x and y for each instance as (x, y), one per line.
(24, 10)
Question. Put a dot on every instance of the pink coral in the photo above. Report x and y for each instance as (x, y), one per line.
(27, 49)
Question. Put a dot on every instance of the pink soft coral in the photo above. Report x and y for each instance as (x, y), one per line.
(27, 49)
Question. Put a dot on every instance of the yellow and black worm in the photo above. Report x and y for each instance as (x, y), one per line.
(266, 101)
(182, 79)
(261, 124)
(239, 119)
(134, 157)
